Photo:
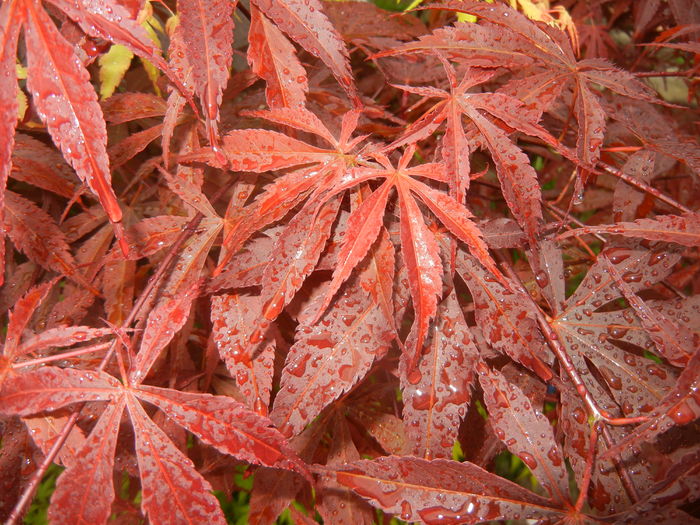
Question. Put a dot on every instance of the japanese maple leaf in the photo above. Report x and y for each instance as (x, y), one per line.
(18, 344)
(517, 177)
(555, 68)
(261, 150)
(61, 89)
(168, 478)
(418, 245)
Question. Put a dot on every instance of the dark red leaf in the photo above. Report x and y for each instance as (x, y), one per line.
(439, 491)
(437, 393)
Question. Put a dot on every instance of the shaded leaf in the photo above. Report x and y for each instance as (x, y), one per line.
(438, 491)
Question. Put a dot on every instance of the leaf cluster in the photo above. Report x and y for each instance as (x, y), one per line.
(327, 246)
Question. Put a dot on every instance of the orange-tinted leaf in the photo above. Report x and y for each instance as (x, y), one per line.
(458, 220)
(20, 316)
(259, 150)
(308, 26)
(67, 103)
(421, 256)
(295, 255)
(361, 232)
(273, 58)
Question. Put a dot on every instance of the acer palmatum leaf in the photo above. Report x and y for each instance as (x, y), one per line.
(166, 318)
(672, 341)
(61, 336)
(234, 317)
(295, 255)
(297, 118)
(21, 314)
(45, 430)
(85, 491)
(152, 234)
(67, 103)
(260, 150)
(483, 46)
(226, 425)
(127, 149)
(681, 229)
(437, 392)
(307, 25)
(11, 18)
(50, 388)
(36, 163)
(438, 491)
(35, 233)
(343, 507)
(361, 231)
(681, 406)
(635, 382)
(273, 58)
(189, 193)
(505, 318)
(525, 431)
(329, 357)
(207, 31)
(173, 492)
(273, 490)
(126, 107)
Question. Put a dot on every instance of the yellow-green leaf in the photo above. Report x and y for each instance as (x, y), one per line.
(113, 66)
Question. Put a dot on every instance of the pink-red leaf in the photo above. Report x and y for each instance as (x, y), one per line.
(681, 229)
(505, 318)
(273, 58)
(207, 30)
(10, 21)
(328, 358)
(163, 322)
(234, 318)
(525, 431)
